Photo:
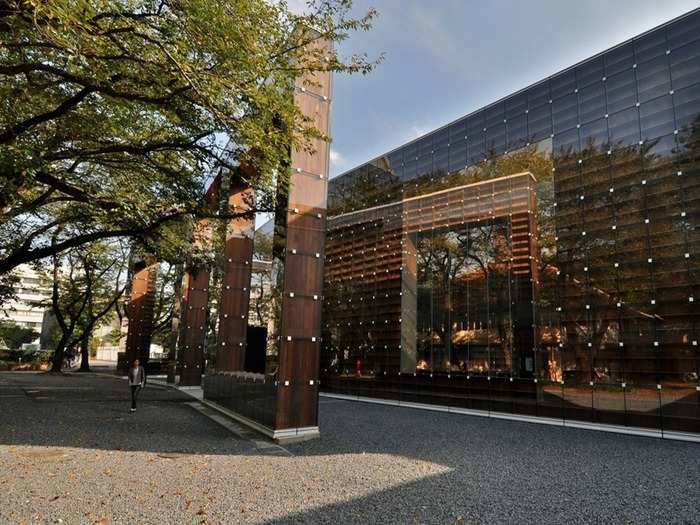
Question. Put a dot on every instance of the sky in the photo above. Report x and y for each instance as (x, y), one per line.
(446, 58)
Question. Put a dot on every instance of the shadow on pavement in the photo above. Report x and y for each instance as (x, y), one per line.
(462, 469)
(92, 411)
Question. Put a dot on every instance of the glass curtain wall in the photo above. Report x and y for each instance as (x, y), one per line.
(581, 305)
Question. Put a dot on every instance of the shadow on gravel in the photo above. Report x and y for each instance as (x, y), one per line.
(497, 471)
(505, 471)
(91, 411)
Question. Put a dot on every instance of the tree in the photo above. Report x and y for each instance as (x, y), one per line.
(86, 284)
(14, 335)
(115, 114)
(8, 287)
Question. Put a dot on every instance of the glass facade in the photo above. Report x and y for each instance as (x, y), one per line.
(540, 256)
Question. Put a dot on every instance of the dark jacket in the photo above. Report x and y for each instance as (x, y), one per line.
(137, 376)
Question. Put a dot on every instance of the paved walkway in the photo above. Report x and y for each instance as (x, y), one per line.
(70, 452)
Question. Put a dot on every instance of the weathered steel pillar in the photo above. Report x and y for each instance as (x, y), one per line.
(299, 329)
(195, 298)
(141, 311)
(282, 402)
(235, 286)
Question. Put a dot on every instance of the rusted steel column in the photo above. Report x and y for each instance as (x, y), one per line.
(193, 325)
(141, 311)
(235, 286)
(299, 330)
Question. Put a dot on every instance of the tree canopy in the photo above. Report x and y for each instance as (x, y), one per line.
(13, 336)
(86, 284)
(116, 114)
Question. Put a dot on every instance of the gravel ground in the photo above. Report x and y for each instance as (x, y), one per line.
(70, 452)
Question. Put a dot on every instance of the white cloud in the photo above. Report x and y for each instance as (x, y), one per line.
(338, 163)
(336, 158)
(419, 131)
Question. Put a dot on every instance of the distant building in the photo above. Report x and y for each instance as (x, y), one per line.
(29, 291)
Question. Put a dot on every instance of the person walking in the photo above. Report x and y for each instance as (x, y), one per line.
(137, 380)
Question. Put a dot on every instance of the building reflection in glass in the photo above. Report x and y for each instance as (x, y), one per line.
(540, 256)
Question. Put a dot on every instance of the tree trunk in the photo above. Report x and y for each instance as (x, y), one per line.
(85, 354)
(58, 354)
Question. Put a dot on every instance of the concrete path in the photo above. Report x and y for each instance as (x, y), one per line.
(70, 452)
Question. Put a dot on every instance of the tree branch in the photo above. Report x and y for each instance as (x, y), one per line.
(26, 255)
(28, 67)
(13, 132)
